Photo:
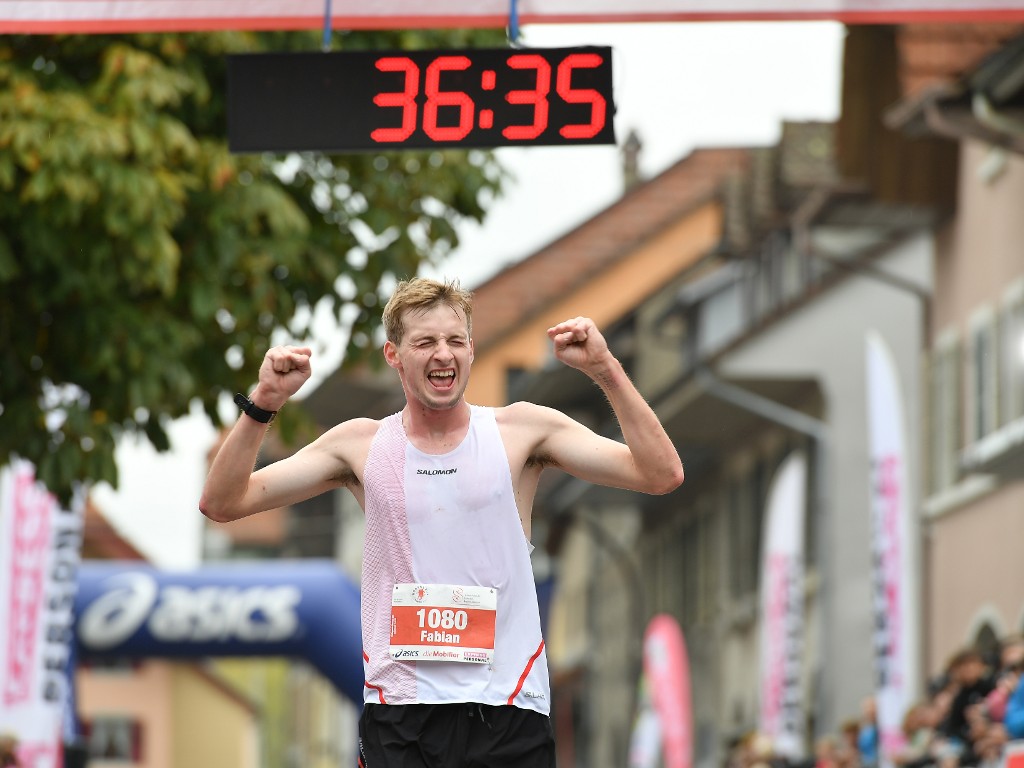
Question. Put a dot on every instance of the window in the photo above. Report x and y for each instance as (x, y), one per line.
(680, 566)
(982, 370)
(721, 319)
(1013, 354)
(661, 566)
(707, 529)
(690, 587)
(944, 416)
(775, 276)
(987, 642)
(745, 510)
(793, 273)
(736, 515)
(114, 738)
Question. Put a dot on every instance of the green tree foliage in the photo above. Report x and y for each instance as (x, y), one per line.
(143, 266)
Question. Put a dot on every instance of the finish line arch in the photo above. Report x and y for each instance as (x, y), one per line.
(305, 609)
(122, 16)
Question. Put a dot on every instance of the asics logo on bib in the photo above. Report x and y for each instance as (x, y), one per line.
(437, 471)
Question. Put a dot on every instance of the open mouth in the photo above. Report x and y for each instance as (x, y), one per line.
(442, 379)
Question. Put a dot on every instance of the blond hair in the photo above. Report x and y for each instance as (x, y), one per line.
(423, 293)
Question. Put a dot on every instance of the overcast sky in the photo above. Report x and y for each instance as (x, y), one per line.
(679, 86)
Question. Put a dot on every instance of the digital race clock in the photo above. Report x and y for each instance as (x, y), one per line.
(337, 102)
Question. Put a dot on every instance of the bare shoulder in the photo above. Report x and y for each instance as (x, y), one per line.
(526, 427)
(339, 454)
(358, 428)
(347, 442)
(359, 431)
(525, 415)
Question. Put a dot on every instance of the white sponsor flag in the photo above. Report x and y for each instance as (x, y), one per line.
(892, 604)
(645, 741)
(40, 546)
(782, 610)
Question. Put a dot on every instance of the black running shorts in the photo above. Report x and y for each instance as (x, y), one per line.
(454, 736)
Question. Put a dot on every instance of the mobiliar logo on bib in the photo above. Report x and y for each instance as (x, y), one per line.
(443, 622)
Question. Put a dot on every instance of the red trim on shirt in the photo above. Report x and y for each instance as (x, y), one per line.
(380, 691)
(529, 666)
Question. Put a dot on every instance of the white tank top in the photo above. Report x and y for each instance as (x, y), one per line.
(449, 519)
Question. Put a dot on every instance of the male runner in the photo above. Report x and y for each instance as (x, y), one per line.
(454, 660)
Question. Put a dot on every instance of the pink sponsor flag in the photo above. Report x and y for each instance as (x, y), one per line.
(667, 669)
(782, 610)
(895, 623)
(40, 546)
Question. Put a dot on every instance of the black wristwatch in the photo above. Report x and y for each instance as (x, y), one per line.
(253, 411)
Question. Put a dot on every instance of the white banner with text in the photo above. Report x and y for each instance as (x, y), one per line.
(40, 549)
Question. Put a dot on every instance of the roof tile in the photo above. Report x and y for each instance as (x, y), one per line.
(933, 54)
(526, 287)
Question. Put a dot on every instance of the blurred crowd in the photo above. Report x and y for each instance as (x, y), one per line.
(970, 713)
(8, 749)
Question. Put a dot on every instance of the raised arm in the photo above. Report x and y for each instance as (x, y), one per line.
(232, 490)
(648, 462)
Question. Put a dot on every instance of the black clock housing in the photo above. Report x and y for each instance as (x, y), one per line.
(374, 100)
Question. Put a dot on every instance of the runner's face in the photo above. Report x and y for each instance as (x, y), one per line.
(434, 356)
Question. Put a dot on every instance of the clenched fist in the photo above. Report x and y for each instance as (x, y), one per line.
(283, 371)
(579, 344)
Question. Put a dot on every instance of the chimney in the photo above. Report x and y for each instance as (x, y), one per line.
(631, 161)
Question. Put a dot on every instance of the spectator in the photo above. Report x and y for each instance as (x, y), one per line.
(919, 725)
(1011, 662)
(847, 749)
(867, 733)
(8, 751)
(827, 753)
(1013, 719)
(971, 682)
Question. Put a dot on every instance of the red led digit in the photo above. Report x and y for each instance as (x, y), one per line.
(598, 106)
(538, 97)
(406, 99)
(437, 98)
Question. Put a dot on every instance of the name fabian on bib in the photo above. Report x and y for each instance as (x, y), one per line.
(443, 622)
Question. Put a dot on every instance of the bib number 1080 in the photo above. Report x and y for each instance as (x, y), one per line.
(436, 618)
(443, 622)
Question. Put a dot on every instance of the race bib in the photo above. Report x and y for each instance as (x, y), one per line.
(443, 622)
